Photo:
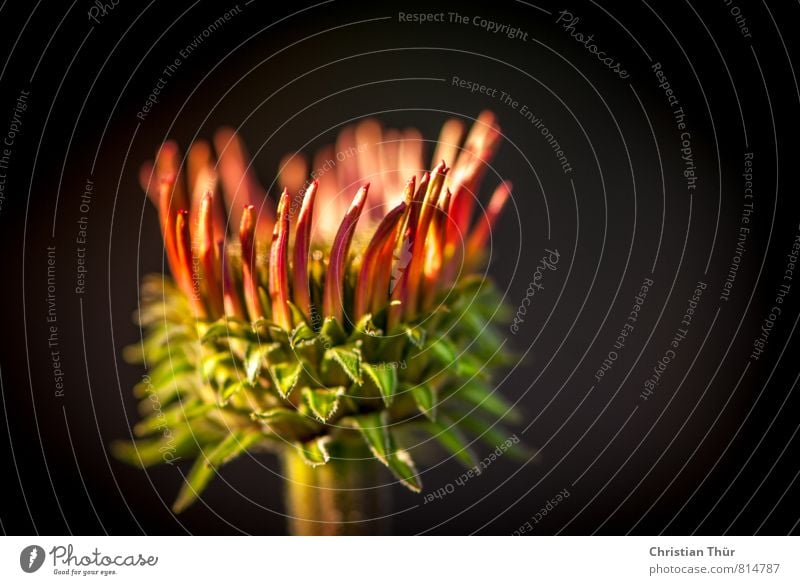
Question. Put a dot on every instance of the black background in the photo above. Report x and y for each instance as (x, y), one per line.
(712, 451)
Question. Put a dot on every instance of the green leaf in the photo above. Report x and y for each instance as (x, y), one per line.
(205, 465)
(314, 453)
(332, 331)
(384, 375)
(323, 402)
(375, 431)
(447, 434)
(425, 398)
(285, 376)
(349, 358)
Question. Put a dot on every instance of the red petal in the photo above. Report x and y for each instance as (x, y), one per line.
(208, 253)
(230, 291)
(189, 278)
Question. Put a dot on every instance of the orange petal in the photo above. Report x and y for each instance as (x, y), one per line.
(365, 286)
(434, 279)
(480, 233)
(167, 214)
(292, 172)
(333, 296)
(230, 291)
(247, 238)
(450, 136)
(240, 186)
(279, 266)
(420, 241)
(302, 245)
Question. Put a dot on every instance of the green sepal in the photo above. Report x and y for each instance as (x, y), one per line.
(402, 467)
(426, 400)
(314, 452)
(442, 350)
(303, 332)
(416, 335)
(448, 436)
(227, 327)
(492, 434)
(323, 402)
(377, 435)
(164, 374)
(471, 285)
(332, 331)
(231, 389)
(218, 365)
(348, 359)
(298, 316)
(179, 442)
(484, 397)
(159, 343)
(172, 417)
(288, 424)
(469, 365)
(285, 376)
(255, 359)
(384, 376)
(365, 330)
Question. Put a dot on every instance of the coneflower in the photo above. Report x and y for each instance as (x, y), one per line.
(326, 329)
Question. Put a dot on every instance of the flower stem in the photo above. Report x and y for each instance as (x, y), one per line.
(342, 497)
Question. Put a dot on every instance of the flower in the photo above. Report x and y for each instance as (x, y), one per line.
(286, 324)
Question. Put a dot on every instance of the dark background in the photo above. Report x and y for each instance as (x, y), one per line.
(712, 451)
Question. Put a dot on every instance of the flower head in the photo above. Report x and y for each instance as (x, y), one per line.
(287, 322)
